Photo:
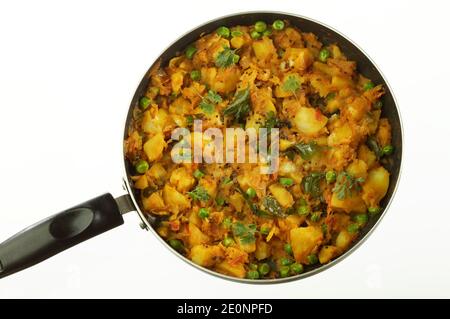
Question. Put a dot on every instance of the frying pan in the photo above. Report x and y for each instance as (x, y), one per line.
(95, 216)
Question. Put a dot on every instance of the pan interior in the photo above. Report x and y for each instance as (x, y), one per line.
(327, 36)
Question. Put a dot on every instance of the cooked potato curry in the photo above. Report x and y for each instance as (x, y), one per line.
(229, 217)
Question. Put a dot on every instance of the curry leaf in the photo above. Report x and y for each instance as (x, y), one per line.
(273, 207)
(307, 150)
(312, 184)
(239, 107)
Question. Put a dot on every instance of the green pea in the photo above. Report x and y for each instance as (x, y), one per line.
(267, 33)
(153, 90)
(303, 210)
(196, 75)
(251, 192)
(374, 210)
(330, 177)
(227, 222)
(378, 104)
(189, 120)
(264, 269)
(228, 241)
(316, 216)
(236, 58)
(324, 54)
(224, 32)
(252, 274)
(288, 249)
(285, 181)
(203, 213)
(361, 219)
(144, 102)
(236, 33)
(353, 228)
(278, 25)
(388, 150)
(255, 34)
(220, 201)
(190, 51)
(368, 86)
(284, 271)
(198, 174)
(296, 268)
(260, 26)
(176, 244)
(286, 261)
(141, 166)
(264, 230)
(312, 259)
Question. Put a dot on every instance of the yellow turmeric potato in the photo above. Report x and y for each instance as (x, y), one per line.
(344, 239)
(156, 123)
(262, 250)
(357, 168)
(264, 49)
(157, 171)
(205, 255)
(304, 240)
(340, 135)
(366, 155)
(177, 81)
(281, 195)
(235, 270)
(349, 204)
(196, 236)
(376, 186)
(154, 203)
(182, 179)
(236, 201)
(175, 200)
(154, 147)
(300, 58)
(327, 253)
(309, 121)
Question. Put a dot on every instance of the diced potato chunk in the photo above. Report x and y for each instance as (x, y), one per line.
(154, 203)
(344, 239)
(349, 204)
(155, 124)
(237, 201)
(264, 49)
(154, 147)
(175, 200)
(304, 240)
(141, 183)
(247, 247)
(236, 270)
(181, 179)
(327, 253)
(206, 256)
(309, 120)
(366, 155)
(300, 58)
(262, 250)
(340, 135)
(282, 195)
(196, 236)
(357, 168)
(376, 186)
(177, 80)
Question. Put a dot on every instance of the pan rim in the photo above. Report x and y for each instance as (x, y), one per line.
(312, 272)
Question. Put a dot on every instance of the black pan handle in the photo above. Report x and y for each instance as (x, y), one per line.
(59, 232)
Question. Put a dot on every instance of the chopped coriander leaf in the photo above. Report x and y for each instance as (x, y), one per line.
(315, 217)
(225, 58)
(246, 234)
(199, 193)
(220, 201)
(198, 174)
(346, 184)
(291, 84)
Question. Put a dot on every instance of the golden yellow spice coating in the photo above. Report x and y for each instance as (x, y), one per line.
(230, 217)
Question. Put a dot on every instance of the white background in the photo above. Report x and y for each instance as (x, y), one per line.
(67, 74)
